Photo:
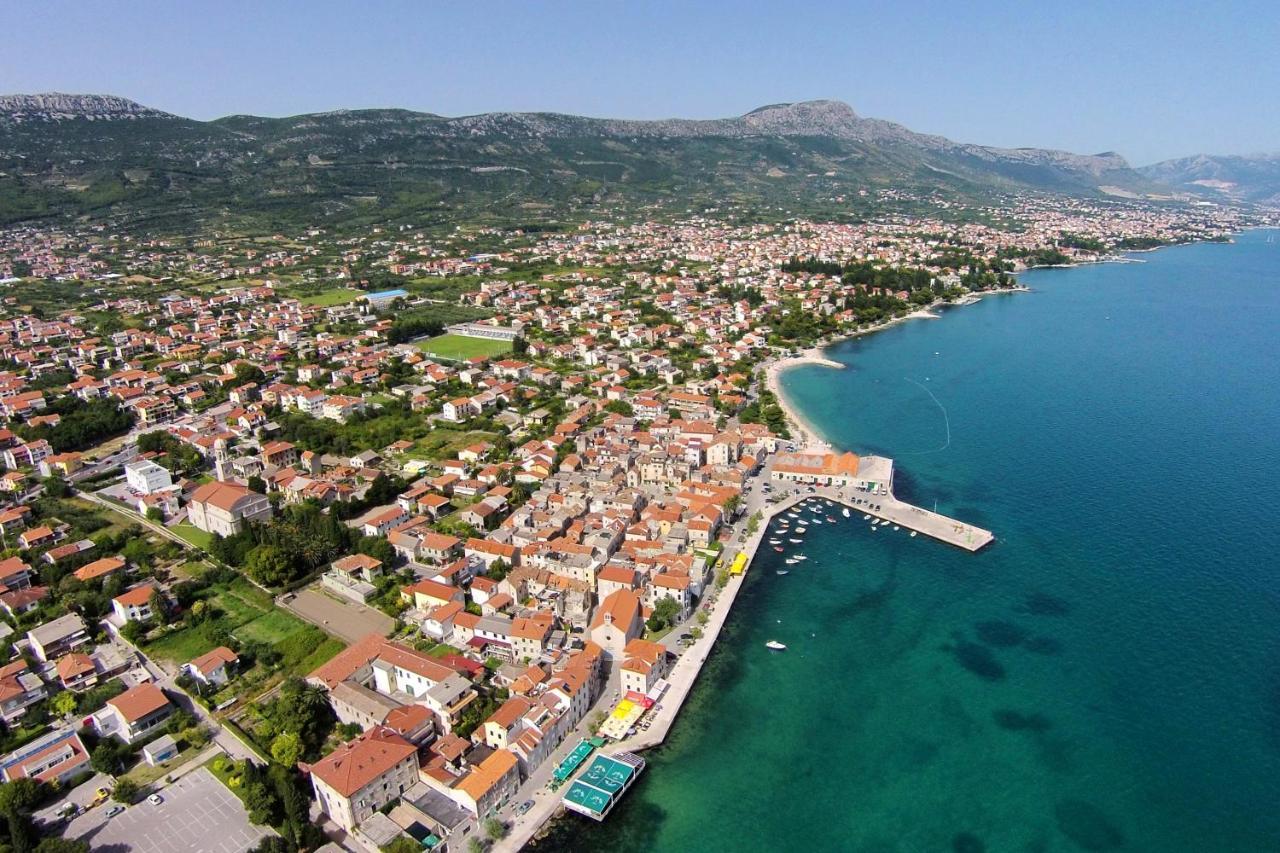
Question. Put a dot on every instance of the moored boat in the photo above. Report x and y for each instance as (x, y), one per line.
(775, 645)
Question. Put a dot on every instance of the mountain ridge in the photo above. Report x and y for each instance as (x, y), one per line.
(74, 153)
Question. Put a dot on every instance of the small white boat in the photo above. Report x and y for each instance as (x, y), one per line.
(795, 540)
(913, 533)
(815, 521)
(873, 527)
(845, 512)
(775, 541)
(775, 645)
(865, 517)
(895, 527)
(799, 558)
(783, 572)
(791, 561)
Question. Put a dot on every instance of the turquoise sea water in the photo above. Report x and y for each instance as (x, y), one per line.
(1106, 676)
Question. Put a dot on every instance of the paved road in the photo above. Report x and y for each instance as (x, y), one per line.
(346, 620)
(198, 815)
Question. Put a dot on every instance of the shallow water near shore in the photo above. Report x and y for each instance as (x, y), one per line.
(1106, 676)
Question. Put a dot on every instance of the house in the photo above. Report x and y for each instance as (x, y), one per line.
(380, 522)
(370, 679)
(617, 621)
(358, 778)
(213, 668)
(225, 508)
(56, 757)
(428, 594)
(133, 713)
(100, 568)
(674, 586)
(18, 601)
(14, 519)
(15, 574)
(281, 454)
(147, 478)
(644, 664)
(36, 537)
(352, 576)
(135, 605)
(488, 786)
(20, 688)
(77, 671)
(55, 638)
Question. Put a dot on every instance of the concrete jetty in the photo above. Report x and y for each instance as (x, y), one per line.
(864, 484)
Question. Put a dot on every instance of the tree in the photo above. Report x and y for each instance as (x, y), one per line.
(276, 844)
(269, 565)
(494, 828)
(134, 630)
(109, 756)
(126, 791)
(286, 748)
(257, 484)
(194, 736)
(154, 513)
(62, 845)
(56, 487)
(664, 614)
(64, 704)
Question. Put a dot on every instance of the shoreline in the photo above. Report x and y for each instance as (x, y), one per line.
(805, 434)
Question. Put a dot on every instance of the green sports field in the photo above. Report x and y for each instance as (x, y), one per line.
(459, 348)
(335, 296)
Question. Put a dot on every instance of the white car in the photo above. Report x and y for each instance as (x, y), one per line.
(155, 799)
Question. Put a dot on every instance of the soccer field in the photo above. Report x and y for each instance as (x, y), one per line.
(460, 348)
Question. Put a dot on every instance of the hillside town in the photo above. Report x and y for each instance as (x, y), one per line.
(372, 542)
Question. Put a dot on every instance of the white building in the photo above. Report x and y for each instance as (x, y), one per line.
(147, 477)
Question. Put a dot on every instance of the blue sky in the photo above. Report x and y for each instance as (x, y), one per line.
(1145, 79)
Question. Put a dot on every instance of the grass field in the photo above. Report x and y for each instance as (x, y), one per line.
(193, 534)
(249, 614)
(459, 348)
(333, 296)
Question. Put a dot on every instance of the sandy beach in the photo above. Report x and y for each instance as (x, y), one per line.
(803, 432)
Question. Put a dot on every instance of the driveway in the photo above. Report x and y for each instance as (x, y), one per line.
(198, 815)
(346, 620)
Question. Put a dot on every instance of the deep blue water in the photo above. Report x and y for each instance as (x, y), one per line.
(1105, 676)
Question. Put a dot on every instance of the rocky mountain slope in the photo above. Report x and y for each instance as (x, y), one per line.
(87, 153)
(1250, 178)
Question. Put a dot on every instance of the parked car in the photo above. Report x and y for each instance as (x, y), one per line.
(101, 796)
(114, 810)
(524, 807)
(155, 799)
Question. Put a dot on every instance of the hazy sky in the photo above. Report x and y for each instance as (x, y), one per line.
(1145, 79)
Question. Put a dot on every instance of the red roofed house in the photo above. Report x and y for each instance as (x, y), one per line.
(56, 757)
(135, 605)
(358, 778)
(133, 713)
(644, 663)
(213, 668)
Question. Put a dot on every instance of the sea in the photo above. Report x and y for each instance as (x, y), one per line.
(1105, 676)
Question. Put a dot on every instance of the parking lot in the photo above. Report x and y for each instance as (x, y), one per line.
(198, 814)
(347, 620)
